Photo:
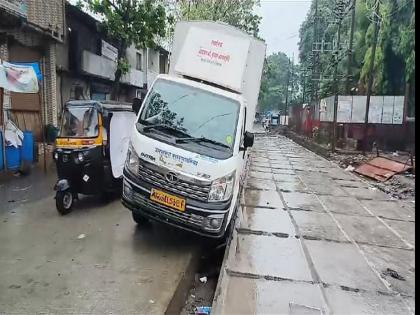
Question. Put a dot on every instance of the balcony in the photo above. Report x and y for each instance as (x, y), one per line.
(105, 68)
(133, 77)
(98, 66)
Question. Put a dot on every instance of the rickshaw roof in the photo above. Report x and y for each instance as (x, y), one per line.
(107, 105)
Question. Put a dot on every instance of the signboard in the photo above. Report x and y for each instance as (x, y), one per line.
(326, 109)
(352, 109)
(397, 117)
(109, 51)
(344, 109)
(18, 7)
(388, 109)
(18, 78)
(214, 57)
(375, 109)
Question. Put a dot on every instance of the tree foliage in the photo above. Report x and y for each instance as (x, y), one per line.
(137, 23)
(238, 13)
(394, 62)
(278, 73)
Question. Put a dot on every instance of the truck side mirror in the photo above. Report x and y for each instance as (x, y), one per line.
(248, 139)
(136, 105)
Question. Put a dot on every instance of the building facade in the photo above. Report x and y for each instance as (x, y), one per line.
(29, 32)
(87, 61)
(76, 59)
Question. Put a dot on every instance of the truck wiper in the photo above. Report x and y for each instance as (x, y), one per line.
(201, 139)
(162, 126)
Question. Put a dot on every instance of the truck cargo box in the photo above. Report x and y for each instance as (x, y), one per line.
(220, 54)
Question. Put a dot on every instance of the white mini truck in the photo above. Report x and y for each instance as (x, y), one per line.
(188, 151)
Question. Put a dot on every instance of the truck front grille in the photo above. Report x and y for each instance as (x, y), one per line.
(183, 217)
(181, 187)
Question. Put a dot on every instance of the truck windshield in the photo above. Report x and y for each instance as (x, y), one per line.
(79, 122)
(189, 113)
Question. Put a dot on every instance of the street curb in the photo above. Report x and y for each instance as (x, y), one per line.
(231, 248)
(222, 282)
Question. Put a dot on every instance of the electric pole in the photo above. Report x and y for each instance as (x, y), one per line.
(376, 20)
(291, 88)
(339, 15)
(315, 57)
(287, 89)
(350, 52)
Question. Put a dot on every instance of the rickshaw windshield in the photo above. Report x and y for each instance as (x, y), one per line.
(80, 122)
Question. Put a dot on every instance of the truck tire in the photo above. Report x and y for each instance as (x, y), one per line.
(139, 219)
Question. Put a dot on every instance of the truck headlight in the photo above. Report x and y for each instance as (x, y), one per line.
(222, 188)
(132, 161)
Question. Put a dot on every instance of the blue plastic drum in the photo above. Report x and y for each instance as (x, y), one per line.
(13, 157)
(1, 151)
(28, 146)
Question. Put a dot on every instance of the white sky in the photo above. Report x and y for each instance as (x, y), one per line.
(281, 20)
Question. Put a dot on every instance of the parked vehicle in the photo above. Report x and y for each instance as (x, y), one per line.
(90, 149)
(187, 159)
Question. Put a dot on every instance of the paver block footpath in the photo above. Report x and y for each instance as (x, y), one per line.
(310, 238)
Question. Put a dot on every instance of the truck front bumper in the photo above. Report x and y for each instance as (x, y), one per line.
(206, 219)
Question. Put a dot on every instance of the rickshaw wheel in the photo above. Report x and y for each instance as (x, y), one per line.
(64, 201)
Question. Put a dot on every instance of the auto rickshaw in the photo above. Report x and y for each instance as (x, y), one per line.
(90, 149)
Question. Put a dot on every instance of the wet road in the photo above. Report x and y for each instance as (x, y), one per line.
(312, 238)
(94, 260)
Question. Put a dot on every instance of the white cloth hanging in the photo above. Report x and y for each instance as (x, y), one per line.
(121, 126)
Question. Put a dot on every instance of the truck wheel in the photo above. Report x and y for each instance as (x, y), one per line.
(139, 219)
(64, 201)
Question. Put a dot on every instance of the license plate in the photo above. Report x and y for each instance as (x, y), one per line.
(167, 199)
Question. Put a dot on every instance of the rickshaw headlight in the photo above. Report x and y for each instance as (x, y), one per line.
(132, 162)
(80, 157)
(56, 156)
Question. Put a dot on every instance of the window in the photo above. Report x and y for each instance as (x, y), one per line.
(194, 112)
(139, 62)
(79, 122)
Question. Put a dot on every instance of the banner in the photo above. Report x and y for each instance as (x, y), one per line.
(18, 78)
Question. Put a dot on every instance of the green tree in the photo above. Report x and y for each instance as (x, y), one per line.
(394, 66)
(238, 13)
(129, 22)
(276, 75)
